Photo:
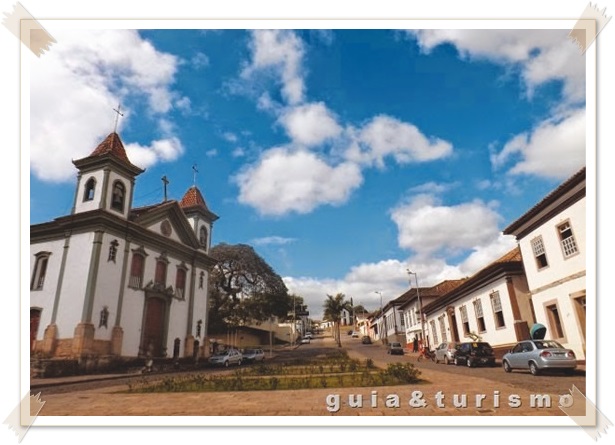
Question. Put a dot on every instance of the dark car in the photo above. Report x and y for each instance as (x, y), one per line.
(366, 340)
(539, 355)
(475, 353)
(395, 348)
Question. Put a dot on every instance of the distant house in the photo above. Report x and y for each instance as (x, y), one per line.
(493, 304)
(551, 236)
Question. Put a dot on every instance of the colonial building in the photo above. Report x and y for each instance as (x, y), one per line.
(493, 304)
(551, 237)
(417, 300)
(113, 280)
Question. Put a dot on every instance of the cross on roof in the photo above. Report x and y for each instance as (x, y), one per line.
(117, 116)
(194, 174)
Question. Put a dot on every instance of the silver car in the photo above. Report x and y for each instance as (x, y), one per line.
(445, 352)
(226, 358)
(539, 355)
(253, 355)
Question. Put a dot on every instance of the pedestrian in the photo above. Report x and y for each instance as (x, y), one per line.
(415, 344)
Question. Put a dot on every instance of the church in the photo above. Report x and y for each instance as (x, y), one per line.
(113, 280)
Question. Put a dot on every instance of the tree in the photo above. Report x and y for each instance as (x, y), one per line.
(334, 305)
(243, 288)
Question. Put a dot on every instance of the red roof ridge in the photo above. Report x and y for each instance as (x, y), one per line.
(112, 145)
(193, 198)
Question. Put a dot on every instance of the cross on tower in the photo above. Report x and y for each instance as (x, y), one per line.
(117, 116)
(165, 181)
(194, 174)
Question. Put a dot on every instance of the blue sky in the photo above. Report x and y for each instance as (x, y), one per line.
(343, 156)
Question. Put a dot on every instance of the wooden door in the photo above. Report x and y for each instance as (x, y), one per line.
(153, 329)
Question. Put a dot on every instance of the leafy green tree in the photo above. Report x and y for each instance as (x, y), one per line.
(243, 288)
(334, 305)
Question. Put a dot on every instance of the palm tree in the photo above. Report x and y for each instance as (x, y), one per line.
(334, 305)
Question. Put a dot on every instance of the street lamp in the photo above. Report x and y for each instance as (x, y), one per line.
(384, 319)
(418, 294)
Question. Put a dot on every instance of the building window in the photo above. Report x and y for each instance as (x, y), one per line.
(40, 270)
(498, 314)
(180, 283)
(480, 319)
(90, 187)
(434, 332)
(201, 279)
(442, 327)
(160, 277)
(464, 320)
(538, 248)
(203, 236)
(136, 270)
(566, 237)
(113, 250)
(554, 321)
(118, 196)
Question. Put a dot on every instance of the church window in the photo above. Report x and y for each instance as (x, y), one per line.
(118, 196)
(161, 272)
(113, 250)
(40, 270)
(203, 237)
(201, 279)
(90, 187)
(136, 270)
(180, 283)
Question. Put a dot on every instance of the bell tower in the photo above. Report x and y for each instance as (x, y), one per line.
(106, 179)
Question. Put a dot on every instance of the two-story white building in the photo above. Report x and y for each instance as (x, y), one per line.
(113, 280)
(551, 236)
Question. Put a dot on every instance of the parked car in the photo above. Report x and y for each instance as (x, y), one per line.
(366, 340)
(306, 340)
(308, 335)
(253, 355)
(539, 355)
(445, 352)
(395, 348)
(355, 334)
(475, 353)
(226, 358)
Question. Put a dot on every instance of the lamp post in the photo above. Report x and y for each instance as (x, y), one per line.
(418, 294)
(384, 320)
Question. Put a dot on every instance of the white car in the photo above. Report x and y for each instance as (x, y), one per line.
(226, 358)
(355, 334)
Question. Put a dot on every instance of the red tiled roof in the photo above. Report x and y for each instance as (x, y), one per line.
(111, 145)
(193, 198)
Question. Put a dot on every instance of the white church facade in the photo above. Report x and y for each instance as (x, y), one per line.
(113, 280)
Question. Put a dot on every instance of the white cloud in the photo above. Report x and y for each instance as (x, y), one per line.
(310, 124)
(281, 51)
(542, 55)
(230, 137)
(428, 227)
(200, 60)
(555, 149)
(386, 136)
(283, 181)
(74, 88)
(272, 240)
(160, 150)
